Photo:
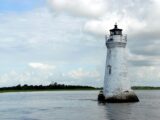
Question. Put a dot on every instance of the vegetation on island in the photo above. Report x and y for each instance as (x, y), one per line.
(145, 88)
(56, 86)
(53, 86)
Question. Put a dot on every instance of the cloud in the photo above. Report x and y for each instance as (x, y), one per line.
(41, 66)
(71, 49)
(102, 25)
(33, 36)
(87, 8)
(111, 12)
(145, 76)
(135, 17)
(83, 74)
(28, 76)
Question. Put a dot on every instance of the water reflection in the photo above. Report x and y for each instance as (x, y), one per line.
(117, 111)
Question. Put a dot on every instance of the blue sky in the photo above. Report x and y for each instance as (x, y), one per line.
(20, 5)
(42, 41)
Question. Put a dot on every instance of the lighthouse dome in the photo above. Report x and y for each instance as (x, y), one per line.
(116, 30)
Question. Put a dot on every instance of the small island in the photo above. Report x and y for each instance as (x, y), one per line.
(55, 87)
(50, 87)
(145, 88)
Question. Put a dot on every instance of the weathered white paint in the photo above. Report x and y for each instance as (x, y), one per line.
(116, 76)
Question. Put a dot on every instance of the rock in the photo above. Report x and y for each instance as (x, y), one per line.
(124, 97)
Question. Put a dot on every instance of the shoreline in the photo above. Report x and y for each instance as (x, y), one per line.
(10, 91)
(62, 87)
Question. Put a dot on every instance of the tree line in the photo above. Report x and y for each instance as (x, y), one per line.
(53, 86)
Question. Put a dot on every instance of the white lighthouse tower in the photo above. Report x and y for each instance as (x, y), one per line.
(116, 84)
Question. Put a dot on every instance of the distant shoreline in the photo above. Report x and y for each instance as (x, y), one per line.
(145, 88)
(61, 87)
(5, 91)
(51, 87)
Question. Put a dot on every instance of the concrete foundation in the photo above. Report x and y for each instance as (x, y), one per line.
(123, 97)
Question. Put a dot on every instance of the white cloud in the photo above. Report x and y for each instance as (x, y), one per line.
(83, 74)
(134, 17)
(33, 74)
(102, 26)
(70, 43)
(89, 8)
(145, 76)
(140, 20)
(41, 66)
(33, 36)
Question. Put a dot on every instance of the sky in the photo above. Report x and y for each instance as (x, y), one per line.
(63, 41)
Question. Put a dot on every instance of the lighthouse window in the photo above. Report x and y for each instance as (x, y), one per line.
(112, 33)
(117, 32)
(109, 69)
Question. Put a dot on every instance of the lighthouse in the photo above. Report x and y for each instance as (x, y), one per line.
(116, 83)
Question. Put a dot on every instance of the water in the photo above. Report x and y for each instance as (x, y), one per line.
(76, 105)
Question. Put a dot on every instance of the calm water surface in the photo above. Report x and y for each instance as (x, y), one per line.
(76, 105)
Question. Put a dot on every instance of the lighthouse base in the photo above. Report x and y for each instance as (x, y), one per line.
(124, 97)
